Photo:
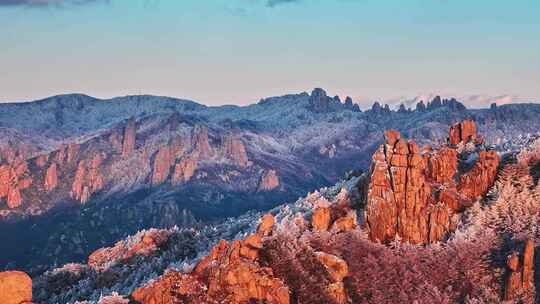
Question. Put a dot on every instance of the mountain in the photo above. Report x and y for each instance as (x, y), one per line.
(448, 223)
(78, 173)
(473, 101)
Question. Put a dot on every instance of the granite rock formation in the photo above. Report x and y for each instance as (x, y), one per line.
(15, 288)
(520, 276)
(415, 194)
(231, 273)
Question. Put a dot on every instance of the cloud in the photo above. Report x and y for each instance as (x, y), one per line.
(42, 3)
(274, 3)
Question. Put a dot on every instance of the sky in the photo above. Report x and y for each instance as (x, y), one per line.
(238, 51)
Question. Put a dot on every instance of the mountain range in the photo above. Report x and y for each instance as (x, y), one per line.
(79, 173)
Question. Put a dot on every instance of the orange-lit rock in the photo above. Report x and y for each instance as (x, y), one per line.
(88, 179)
(321, 219)
(520, 273)
(337, 269)
(201, 143)
(184, 170)
(477, 181)
(170, 288)
(15, 288)
(162, 165)
(235, 150)
(148, 243)
(269, 181)
(14, 178)
(464, 131)
(128, 143)
(346, 223)
(267, 224)
(73, 152)
(51, 177)
(226, 275)
(413, 192)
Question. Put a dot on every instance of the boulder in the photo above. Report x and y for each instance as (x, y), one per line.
(15, 288)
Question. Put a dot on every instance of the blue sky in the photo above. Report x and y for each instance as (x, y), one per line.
(237, 51)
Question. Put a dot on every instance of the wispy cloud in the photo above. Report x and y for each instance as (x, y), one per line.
(43, 3)
(274, 3)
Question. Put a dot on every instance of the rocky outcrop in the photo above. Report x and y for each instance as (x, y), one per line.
(267, 224)
(464, 131)
(51, 177)
(520, 273)
(15, 288)
(337, 217)
(321, 218)
(477, 181)
(184, 170)
(413, 194)
(162, 165)
(269, 181)
(73, 152)
(235, 150)
(231, 273)
(14, 178)
(337, 270)
(128, 143)
(319, 102)
(143, 244)
(88, 179)
(200, 142)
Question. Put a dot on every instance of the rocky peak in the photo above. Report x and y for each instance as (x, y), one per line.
(319, 102)
(435, 103)
(163, 161)
(376, 107)
(464, 131)
(349, 105)
(454, 105)
(14, 177)
(201, 142)
(128, 142)
(348, 102)
(88, 178)
(235, 150)
(421, 107)
(414, 194)
(51, 177)
(520, 273)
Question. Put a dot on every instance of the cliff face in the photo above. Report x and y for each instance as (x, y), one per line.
(128, 141)
(416, 194)
(14, 178)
